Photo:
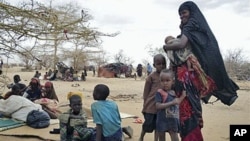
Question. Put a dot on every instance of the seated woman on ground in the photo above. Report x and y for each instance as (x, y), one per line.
(33, 92)
(49, 100)
(48, 91)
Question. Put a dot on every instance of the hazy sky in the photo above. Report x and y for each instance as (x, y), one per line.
(148, 22)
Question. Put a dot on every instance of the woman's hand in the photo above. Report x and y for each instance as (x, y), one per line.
(180, 99)
(177, 101)
(165, 48)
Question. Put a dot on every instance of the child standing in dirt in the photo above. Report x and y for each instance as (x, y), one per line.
(167, 107)
(151, 86)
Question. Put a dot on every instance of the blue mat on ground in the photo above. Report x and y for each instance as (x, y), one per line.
(7, 123)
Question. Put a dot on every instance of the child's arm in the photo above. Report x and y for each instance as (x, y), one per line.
(160, 101)
(176, 101)
(63, 131)
(82, 118)
(147, 88)
(160, 106)
(76, 116)
(98, 132)
(51, 114)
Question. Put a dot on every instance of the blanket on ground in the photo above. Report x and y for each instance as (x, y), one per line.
(7, 123)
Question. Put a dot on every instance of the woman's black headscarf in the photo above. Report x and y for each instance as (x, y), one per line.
(206, 49)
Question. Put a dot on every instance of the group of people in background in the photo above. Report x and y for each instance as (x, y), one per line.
(34, 104)
(49, 75)
(139, 70)
(69, 75)
(45, 94)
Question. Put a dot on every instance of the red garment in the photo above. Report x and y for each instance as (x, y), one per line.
(190, 109)
(203, 83)
(194, 135)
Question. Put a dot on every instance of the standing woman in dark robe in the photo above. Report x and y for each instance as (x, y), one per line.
(196, 32)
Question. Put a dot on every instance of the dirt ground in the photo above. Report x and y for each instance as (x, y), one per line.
(127, 92)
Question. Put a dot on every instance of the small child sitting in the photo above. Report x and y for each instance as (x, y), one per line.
(73, 123)
(106, 116)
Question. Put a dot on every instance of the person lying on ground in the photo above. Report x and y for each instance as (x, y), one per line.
(20, 108)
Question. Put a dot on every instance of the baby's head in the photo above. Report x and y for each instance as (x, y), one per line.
(101, 92)
(168, 38)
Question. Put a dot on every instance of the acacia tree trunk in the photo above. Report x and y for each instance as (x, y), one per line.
(55, 52)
